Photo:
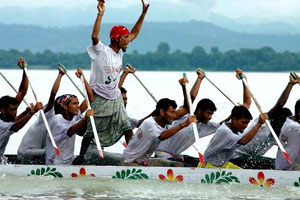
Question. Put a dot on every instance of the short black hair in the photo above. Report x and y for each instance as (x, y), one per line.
(5, 101)
(241, 112)
(123, 90)
(164, 104)
(206, 104)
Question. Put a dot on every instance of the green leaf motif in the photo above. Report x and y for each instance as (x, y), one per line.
(133, 174)
(218, 178)
(296, 184)
(46, 172)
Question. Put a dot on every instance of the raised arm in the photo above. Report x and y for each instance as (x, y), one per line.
(83, 105)
(126, 71)
(249, 136)
(246, 93)
(55, 88)
(137, 27)
(96, 29)
(284, 96)
(24, 83)
(185, 109)
(196, 86)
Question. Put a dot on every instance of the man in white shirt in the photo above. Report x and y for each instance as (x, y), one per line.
(9, 122)
(250, 156)
(106, 66)
(290, 139)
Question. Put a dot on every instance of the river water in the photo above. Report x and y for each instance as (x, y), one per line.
(267, 87)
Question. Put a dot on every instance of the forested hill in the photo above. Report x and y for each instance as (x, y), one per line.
(183, 36)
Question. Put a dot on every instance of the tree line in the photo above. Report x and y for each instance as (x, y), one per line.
(263, 59)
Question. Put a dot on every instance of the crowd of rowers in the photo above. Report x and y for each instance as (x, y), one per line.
(160, 138)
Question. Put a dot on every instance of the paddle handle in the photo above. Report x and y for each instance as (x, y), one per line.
(267, 122)
(295, 77)
(139, 80)
(221, 91)
(196, 134)
(43, 115)
(92, 119)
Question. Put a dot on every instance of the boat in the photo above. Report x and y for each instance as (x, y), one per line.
(261, 178)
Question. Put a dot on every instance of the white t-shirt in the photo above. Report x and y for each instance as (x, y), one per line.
(65, 144)
(260, 144)
(143, 144)
(5, 134)
(106, 68)
(184, 138)
(221, 147)
(133, 122)
(290, 139)
(34, 138)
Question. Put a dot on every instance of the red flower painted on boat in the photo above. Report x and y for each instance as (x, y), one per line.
(261, 177)
(82, 173)
(170, 175)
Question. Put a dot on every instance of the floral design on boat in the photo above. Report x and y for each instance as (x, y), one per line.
(131, 174)
(220, 177)
(45, 172)
(297, 183)
(82, 173)
(170, 176)
(261, 180)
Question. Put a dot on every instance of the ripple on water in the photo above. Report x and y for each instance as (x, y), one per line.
(12, 187)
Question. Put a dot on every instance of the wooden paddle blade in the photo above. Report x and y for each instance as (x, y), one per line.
(57, 151)
(201, 159)
(287, 157)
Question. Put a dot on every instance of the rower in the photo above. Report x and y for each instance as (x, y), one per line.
(153, 130)
(9, 123)
(250, 156)
(227, 137)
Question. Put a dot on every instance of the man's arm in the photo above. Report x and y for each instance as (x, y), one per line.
(90, 93)
(24, 83)
(21, 122)
(55, 88)
(80, 127)
(246, 93)
(196, 86)
(185, 109)
(284, 96)
(172, 131)
(249, 136)
(137, 27)
(96, 29)
(126, 71)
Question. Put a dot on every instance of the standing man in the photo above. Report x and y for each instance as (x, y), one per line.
(106, 66)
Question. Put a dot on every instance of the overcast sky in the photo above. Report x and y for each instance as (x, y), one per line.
(257, 11)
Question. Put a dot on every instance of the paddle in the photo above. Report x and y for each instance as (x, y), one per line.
(267, 121)
(196, 134)
(42, 113)
(92, 119)
(217, 87)
(137, 78)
